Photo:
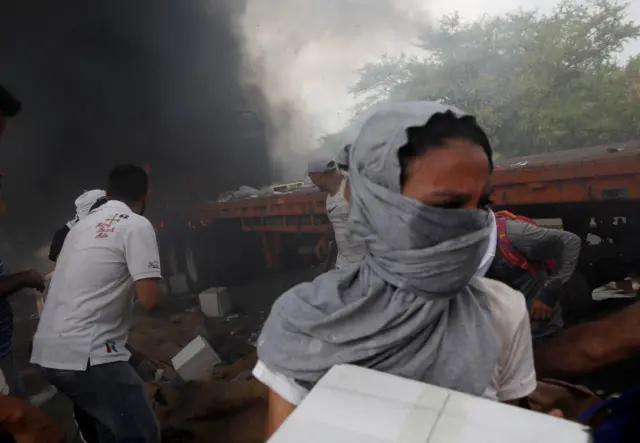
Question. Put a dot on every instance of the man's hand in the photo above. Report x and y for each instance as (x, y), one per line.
(33, 279)
(540, 311)
(321, 249)
(27, 423)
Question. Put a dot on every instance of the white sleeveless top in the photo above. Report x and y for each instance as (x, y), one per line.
(349, 251)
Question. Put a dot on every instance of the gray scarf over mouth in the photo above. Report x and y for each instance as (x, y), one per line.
(413, 307)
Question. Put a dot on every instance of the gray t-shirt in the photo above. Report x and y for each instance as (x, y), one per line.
(539, 244)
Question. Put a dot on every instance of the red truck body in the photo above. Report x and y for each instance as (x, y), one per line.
(594, 191)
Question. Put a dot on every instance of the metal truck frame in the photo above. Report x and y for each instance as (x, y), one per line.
(595, 192)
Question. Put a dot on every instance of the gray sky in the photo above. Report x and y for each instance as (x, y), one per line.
(307, 52)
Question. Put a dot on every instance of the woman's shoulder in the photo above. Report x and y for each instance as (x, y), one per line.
(515, 374)
(503, 298)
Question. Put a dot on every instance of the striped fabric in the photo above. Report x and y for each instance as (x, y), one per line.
(6, 322)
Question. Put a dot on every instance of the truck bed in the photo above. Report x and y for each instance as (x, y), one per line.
(574, 156)
(598, 173)
(593, 174)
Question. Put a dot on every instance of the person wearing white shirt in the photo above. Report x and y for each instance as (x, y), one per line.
(107, 257)
(324, 174)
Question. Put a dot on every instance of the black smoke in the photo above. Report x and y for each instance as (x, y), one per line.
(104, 82)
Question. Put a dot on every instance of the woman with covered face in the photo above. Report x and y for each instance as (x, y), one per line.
(418, 305)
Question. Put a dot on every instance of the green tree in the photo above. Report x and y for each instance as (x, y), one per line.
(537, 82)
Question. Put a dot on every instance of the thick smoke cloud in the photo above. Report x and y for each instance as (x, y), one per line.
(306, 53)
(104, 82)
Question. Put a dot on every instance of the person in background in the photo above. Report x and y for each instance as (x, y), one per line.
(416, 306)
(324, 174)
(86, 203)
(541, 285)
(109, 259)
(10, 284)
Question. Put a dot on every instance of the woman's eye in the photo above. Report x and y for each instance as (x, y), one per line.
(450, 205)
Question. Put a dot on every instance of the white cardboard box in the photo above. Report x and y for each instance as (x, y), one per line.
(215, 302)
(356, 405)
(196, 360)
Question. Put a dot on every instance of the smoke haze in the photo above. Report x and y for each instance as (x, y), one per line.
(306, 53)
(104, 82)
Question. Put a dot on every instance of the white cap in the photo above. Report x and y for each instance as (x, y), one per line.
(322, 161)
(87, 200)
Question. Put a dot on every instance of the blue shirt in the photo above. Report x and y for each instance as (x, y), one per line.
(6, 322)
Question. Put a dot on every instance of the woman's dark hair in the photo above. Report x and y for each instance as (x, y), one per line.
(440, 128)
(128, 183)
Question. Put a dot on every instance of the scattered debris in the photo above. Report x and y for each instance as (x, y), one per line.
(153, 342)
(627, 288)
(220, 402)
(196, 360)
(215, 302)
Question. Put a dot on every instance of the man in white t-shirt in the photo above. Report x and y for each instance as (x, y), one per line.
(106, 258)
(324, 173)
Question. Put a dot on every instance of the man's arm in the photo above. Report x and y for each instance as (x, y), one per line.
(590, 346)
(57, 242)
(10, 284)
(278, 411)
(148, 293)
(143, 261)
(347, 190)
(541, 244)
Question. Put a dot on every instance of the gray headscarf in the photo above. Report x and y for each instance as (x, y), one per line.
(413, 307)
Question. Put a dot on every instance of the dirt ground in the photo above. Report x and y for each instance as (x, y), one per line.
(231, 405)
(230, 337)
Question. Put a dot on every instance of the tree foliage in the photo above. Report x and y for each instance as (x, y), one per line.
(537, 82)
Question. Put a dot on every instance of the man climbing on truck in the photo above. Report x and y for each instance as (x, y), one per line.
(538, 262)
(324, 174)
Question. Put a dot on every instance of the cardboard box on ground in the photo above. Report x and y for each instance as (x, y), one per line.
(230, 405)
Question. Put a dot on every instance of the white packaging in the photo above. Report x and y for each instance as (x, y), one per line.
(215, 302)
(356, 405)
(196, 360)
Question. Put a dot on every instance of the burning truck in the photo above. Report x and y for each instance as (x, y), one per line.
(593, 192)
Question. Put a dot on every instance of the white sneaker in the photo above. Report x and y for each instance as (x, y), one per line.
(43, 396)
(79, 431)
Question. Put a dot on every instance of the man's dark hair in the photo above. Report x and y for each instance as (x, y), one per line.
(128, 183)
(9, 106)
(440, 128)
